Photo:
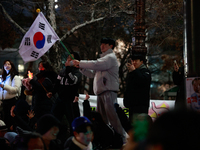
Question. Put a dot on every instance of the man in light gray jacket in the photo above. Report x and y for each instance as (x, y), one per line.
(106, 82)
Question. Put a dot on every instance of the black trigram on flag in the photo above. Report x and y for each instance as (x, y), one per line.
(34, 54)
(49, 38)
(27, 41)
(41, 25)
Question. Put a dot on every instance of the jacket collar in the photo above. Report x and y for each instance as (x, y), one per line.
(142, 67)
(107, 52)
(83, 147)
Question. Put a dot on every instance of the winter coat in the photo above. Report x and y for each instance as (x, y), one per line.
(11, 88)
(41, 104)
(67, 83)
(137, 91)
(104, 71)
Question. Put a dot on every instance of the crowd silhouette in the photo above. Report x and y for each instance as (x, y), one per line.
(53, 121)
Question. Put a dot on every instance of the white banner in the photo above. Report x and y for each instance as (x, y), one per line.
(37, 40)
(156, 108)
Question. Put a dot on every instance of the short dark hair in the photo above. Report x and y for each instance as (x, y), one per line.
(108, 41)
(30, 135)
(46, 65)
(138, 56)
(46, 122)
(22, 139)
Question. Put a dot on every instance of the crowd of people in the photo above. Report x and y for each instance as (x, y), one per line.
(53, 121)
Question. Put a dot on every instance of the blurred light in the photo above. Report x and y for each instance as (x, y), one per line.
(21, 77)
(21, 68)
(120, 46)
(56, 6)
(56, 1)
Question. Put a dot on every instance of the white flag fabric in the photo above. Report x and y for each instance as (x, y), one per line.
(37, 40)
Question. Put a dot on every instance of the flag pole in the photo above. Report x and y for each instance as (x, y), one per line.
(66, 49)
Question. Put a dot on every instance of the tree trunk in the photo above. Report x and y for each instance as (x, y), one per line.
(54, 54)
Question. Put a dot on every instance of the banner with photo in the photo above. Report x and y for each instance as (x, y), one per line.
(193, 93)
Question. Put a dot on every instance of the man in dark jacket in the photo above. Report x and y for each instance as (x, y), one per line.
(136, 96)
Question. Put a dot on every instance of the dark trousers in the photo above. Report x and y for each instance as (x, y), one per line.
(69, 109)
(7, 104)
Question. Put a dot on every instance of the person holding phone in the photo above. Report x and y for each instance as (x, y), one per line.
(179, 80)
(138, 80)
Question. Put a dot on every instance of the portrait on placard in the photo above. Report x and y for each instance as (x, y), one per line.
(193, 93)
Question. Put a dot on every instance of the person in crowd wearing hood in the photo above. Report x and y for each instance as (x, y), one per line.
(44, 83)
(138, 80)
(83, 135)
(10, 89)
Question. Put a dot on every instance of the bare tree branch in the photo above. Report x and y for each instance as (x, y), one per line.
(93, 21)
(80, 26)
(13, 23)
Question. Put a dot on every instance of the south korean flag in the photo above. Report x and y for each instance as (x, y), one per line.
(37, 40)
